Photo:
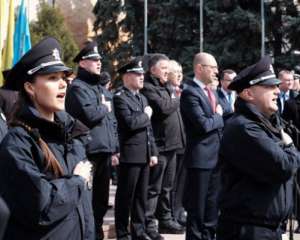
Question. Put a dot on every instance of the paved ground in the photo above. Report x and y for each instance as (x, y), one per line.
(110, 232)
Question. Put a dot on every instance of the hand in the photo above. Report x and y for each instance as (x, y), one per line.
(115, 159)
(83, 169)
(173, 95)
(148, 110)
(153, 161)
(178, 91)
(219, 109)
(106, 103)
(286, 139)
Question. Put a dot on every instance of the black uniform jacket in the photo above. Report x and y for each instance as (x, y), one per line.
(256, 169)
(137, 143)
(41, 205)
(84, 102)
(203, 128)
(166, 119)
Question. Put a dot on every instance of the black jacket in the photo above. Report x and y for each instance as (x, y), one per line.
(166, 119)
(293, 94)
(41, 205)
(291, 111)
(257, 169)
(137, 143)
(84, 102)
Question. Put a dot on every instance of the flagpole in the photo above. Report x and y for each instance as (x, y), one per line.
(262, 9)
(201, 24)
(145, 26)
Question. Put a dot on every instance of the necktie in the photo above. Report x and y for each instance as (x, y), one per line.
(211, 98)
(138, 98)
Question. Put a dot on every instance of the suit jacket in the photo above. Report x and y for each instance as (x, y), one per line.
(291, 111)
(227, 108)
(135, 132)
(293, 94)
(203, 128)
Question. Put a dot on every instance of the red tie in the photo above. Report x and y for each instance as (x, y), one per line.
(212, 98)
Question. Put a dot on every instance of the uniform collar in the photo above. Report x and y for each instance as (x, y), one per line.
(88, 77)
(56, 130)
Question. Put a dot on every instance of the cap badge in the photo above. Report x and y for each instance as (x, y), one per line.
(271, 68)
(55, 54)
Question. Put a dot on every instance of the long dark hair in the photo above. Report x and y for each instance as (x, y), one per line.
(51, 162)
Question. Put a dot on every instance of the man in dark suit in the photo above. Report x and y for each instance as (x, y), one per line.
(138, 152)
(166, 127)
(225, 95)
(202, 117)
(287, 81)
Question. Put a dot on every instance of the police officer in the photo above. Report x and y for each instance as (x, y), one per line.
(138, 152)
(258, 160)
(43, 168)
(90, 102)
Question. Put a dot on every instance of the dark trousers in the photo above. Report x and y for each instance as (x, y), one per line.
(178, 189)
(160, 186)
(296, 197)
(4, 216)
(131, 199)
(229, 231)
(200, 201)
(101, 177)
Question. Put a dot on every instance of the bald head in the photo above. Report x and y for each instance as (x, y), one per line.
(204, 58)
(205, 67)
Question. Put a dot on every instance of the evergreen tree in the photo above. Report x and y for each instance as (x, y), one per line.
(51, 23)
(232, 30)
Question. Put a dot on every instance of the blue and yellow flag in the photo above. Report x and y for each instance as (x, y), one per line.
(22, 35)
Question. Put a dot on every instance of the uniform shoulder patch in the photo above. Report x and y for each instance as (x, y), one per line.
(118, 93)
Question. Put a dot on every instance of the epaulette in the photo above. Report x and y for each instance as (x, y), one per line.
(119, 92)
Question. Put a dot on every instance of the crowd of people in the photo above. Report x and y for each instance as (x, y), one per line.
(209, 156)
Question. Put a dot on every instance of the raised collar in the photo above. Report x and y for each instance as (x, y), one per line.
(88, 77)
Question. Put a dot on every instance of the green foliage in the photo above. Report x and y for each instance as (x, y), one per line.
(51, 23)
(232, 30)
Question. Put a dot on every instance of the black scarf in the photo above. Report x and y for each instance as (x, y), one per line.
(249, 110)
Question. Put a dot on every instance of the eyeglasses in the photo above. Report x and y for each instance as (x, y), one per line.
(211, 66)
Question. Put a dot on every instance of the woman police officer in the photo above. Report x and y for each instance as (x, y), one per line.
(43, 167)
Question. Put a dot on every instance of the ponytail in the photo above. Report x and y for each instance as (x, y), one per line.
(52, 163)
